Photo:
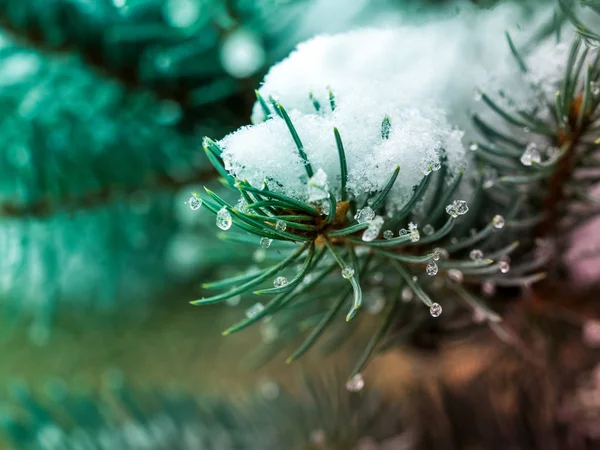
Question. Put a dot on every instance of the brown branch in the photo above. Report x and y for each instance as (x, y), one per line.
(46, 207)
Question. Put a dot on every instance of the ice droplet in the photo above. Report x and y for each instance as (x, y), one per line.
(259, 255)
(356, 383)
(388, 234)
(265, 242)
(457, 208)
(431, 269)
(488, 288)
(242, 53)
(436, 166)
(436, 255)
(476, 254)
(241, 204)
(224, 219)
(455, 275)
(347, 272)
(280, 282)
(375, 302)
(373, 230)
(435, 310)
(428, 229)
(234, 300)
(254, 310)
(407, 294)
(473, 147)
(403, 232)
(280, 225)
(490, 178)
(194, 202)
(268, 331)
(504, 266)
(364, 215)
(442, 252)
(531, 155)
(498, 222)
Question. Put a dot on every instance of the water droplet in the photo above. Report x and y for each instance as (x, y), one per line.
(280, 225)
(490, 177)
(431, 269)
(498, 222)
(531, 155)
(259, 255)
(415, 236)
(268, 331)
(347, 272)
(364, 215)
(269, 389)
(435, 310)
(403, 232)
(428, 229)
(591, 333)
(476, 254)
(317, 437)
(234, 300)
(504, 266)
(455, 275)
(224, 219)
(375, 302)
(194, 202)
(356, 383)
(436, 255)
(241, 204)
(388, 234)
(265, 242)
(488, 288)
(473, 147)
(407, 294)
(371, 233)
(457, 208)
(242, 53)
(479, 316)
(442, 252)
(254, 310)
(181, 13)
(280, 282)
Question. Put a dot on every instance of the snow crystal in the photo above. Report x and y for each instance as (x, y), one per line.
(373, 74)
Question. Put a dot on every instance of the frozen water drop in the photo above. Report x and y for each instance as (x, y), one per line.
(265, 242)
(435, 310)
(488, 288)
(356, 383)
(388, 234)
(436, 166)
(259, 255)
(455, 275)
(364, 215)
(490, 178)
(476, 254)
(371, 233)
(498, 222)
(531, 155)
(431, 269)
(504, 266)
(457, 208)
(234, 300)
(195, 202)
(280, 282)
(428, 229)
(436, 255)
(224, 219)
(473, 147)
(407, 294)
(254, 310)
(280, 225)
(442, 252)
(347, 272)
(242, 53)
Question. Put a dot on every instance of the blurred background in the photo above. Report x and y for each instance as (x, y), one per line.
(103, 107)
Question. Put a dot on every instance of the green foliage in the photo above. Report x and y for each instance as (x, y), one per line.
(515, 200)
